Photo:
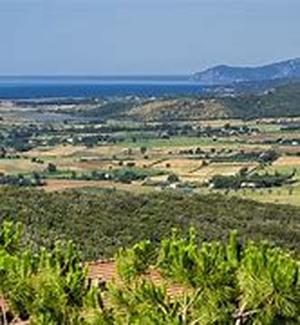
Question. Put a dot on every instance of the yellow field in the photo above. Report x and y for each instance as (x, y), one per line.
(287, 161)
(54, 185)
(225, 169)
(142, 163)
(180, 166)
(69, 150)
(162, 155)
(58, 151)
(77, 165)
(284, 195)
(14, 166)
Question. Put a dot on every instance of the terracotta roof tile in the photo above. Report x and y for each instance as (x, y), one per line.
(106, 270)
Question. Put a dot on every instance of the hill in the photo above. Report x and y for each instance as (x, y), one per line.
(165, 110)
(100, 224)
(281, 101)
(226, 75)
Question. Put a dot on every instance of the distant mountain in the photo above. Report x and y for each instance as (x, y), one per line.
(228, 75)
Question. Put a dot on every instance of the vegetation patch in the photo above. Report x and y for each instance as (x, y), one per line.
(220, 282)
(99, 224)
(251, 180)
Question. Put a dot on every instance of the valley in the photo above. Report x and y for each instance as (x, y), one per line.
(149, 162)
(113, 206)
(131, 144)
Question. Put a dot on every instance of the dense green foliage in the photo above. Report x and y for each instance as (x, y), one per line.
(284, 101)
(21, 180)
(253, 179)
(280, 101)
(222, 283)
(262, 157)
(102, 223)
(255, 282)
(123, 175)
(109, 109)
(47, 287)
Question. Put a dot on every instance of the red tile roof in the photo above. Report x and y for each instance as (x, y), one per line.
(106, 270)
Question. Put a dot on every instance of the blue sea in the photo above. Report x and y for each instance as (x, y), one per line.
(81, 87)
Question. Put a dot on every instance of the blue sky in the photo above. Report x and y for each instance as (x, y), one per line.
(104, 37)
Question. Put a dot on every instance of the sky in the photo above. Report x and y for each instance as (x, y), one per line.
(137, 37)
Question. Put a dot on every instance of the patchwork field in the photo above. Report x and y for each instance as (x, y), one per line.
(141, 156)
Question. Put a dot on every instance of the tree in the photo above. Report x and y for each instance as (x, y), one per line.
(225, 282)
(143, 150)
(52, 168)
(43, 287)
(173, 178)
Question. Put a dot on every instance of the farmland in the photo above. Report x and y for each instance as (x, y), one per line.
(107, 176)
(77, 147)
(149, 162)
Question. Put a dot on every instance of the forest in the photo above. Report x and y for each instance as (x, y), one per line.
(87, 218)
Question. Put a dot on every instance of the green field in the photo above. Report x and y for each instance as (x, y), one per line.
(193, 151)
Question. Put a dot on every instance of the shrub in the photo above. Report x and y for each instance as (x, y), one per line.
(173, 178)
(222, 283)
(51, 168)
(47, 287)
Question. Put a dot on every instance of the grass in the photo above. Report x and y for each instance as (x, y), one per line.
(283, 195)
(180, 165)
(57, 185)
(164, 152)
(19, 166)
(177, 142)
(288, 194)
(287, 161)
(57, 151)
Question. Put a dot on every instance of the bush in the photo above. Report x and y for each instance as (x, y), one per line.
(87, 218)
(51, 168)
(219, 282)
(173, 178)
(45, 287)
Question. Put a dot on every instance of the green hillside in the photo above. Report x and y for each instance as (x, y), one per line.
(100, 224)
(282, 101)
(278, 102)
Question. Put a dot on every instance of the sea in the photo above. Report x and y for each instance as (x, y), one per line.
(14, 88)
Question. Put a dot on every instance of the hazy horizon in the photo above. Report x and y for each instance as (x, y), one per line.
(133, 76)
(117, 38)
